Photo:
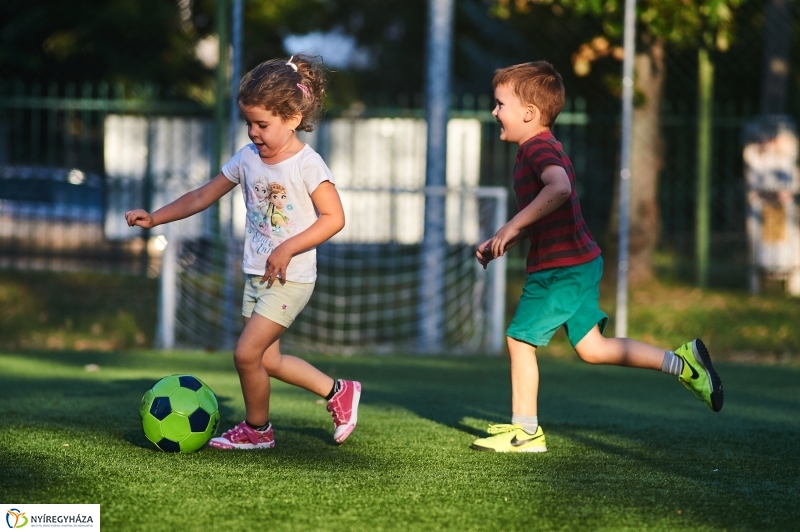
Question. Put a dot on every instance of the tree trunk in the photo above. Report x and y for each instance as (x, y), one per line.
(646, 162)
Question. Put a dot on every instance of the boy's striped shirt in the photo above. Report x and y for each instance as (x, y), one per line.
(561, 238)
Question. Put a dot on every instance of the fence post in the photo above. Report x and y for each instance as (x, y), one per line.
(147, 192)
(621, 318)
(498, 277)
(168, 291)
(437, 107)
(220, 107)
(705, 119)
(231, 248)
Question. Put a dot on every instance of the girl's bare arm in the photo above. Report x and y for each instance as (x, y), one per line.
(190, 203)
(331, 221)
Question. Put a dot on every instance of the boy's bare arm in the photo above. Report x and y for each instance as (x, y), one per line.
(484, 252)
(190, 203)
(557, 189)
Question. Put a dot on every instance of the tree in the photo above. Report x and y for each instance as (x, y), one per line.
(88, 40)
(701, 24)
(137, 41)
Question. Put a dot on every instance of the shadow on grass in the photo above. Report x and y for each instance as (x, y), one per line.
(136, 437)
(86, 405)
(630, 432)
(323, 436)
(89, 405)
(638, 436)
(641, 407)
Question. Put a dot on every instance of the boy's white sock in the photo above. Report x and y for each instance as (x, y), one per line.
(529, 423)
(672, 364)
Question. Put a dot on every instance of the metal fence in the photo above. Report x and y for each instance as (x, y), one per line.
(591, 139)
(53, 135)
(53, 182)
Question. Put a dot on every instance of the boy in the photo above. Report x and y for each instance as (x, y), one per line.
(563, 264)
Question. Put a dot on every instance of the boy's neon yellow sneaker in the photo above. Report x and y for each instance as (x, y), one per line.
(511, 439)
(698, 374)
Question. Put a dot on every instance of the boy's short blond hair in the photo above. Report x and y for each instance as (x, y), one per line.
(536, 83)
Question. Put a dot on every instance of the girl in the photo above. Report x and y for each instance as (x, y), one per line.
(276, 98)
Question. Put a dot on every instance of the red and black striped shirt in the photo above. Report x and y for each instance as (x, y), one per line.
(561, 238)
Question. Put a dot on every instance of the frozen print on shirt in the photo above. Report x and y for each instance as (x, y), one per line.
(280, 222)
(260, 198)
(259, 235)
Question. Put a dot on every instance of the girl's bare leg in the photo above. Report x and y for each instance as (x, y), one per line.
(257, 358)
(259, 333)
(295, 371)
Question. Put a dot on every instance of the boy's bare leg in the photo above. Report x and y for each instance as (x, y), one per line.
(524, 377)
(691, 362)
(523, 434)
(594, 348)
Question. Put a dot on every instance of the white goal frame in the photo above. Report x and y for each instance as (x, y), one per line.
(457, 234)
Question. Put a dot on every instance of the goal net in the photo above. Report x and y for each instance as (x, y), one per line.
(400, 277)
(383, 284)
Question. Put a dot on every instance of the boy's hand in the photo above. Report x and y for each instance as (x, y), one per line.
(484, 253)
(139, 217)
(502, 239)
(277, 262)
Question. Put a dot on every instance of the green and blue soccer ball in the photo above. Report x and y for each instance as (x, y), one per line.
(179, 413)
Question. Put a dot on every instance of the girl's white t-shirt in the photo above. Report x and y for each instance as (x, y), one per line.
(279, 206)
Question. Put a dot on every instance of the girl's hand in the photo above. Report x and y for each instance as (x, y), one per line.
(139, 217)
(277, 262)
(484, 253)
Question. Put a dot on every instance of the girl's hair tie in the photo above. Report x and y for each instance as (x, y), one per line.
(289, 63)
(304, 89)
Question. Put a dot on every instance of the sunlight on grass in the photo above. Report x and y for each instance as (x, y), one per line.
(627, 449)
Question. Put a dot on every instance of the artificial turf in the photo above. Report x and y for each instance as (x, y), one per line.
(628, 449)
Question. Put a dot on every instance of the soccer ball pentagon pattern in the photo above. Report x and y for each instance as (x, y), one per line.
(179, 413)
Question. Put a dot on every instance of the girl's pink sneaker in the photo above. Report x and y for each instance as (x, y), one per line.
(343, 407)
(243, 437)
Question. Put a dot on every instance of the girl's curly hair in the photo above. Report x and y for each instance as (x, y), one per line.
(277, 87)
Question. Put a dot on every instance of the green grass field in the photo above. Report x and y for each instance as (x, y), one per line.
(629, 449)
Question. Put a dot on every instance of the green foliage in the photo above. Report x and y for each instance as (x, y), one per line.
(683, 23)
(628, 450)
(99, 311)
(76, 310)
(734, 324)
(135, 41)
(83, 40)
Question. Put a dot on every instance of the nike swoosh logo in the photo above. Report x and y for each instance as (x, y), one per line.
(695, 375)
(516, 443)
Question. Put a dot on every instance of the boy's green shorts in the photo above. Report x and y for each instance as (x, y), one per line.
(559, 296)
